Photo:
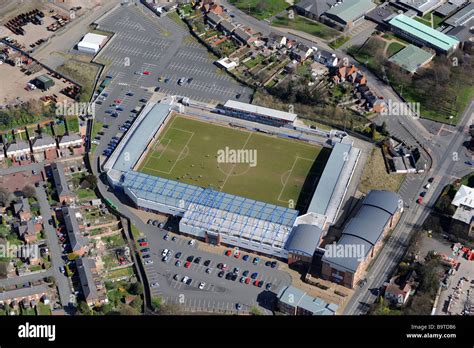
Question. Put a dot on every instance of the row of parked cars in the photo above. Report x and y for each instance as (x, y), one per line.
(255, 261)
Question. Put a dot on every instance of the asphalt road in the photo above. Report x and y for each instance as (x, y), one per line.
(62, 281)
(413, 217)
(27, 278)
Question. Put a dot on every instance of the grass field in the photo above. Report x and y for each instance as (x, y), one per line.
(260, 9)
(308, 26)
(285, 170)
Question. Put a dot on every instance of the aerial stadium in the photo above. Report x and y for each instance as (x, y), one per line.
(168, 162)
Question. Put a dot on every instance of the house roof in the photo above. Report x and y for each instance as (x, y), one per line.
(464, 196)
(22, 206)
(18, 145)
(59, 179)
(43, 141)
(215, 18)
(23, 292)
(349, 11)
(67, 138)
(411, 58)
(242, 34)
(227, 26)
(424, 32)
(72, 227)
(86, 279)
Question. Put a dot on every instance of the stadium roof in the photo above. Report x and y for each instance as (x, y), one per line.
(386, 200)
(260, 110)
(304, 239)
(138, 137)
(424, 32)
(368, 224)
(411, 58)
(351, 10)
(329, 179)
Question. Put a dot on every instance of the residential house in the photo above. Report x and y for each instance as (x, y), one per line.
(60, 183)
(400, 288)
(275, 41)
(18, 150)
(32, 293)
(227, 27)
(243, 37)
(325, 57)
(26, 231)
(77, 241)
(71, 140)
(216, 9)
(86, 279)
(22, 209)
(213, 19)
(301, 52)
(44, 147)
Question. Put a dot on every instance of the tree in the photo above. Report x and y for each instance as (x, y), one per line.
(29, 191)
(5, 196)
(91, 180)
(83, 308)
(156, 303)
(4, 231)
(135, 288)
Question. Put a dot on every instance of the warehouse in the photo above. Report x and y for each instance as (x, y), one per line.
(362, 238)
(422, 7)
(421, 34)
(345, 15)
(257, 113)
(91, 43)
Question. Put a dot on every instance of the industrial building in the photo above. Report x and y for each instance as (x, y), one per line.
(423, 35)
(313, 8)
(422, 7)
(411, 58)
(294, 301)
(345, 15)
(257, 113)
(91, 43)
(362, 238)
(221, 218)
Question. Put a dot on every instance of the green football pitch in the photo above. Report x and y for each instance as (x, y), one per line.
(273, 170)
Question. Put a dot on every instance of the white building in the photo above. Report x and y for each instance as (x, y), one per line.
(91, 43)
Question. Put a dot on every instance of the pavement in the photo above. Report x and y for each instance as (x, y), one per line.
(62, 281)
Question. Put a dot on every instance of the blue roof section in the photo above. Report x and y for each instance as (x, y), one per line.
(181, 195)
(329, 179)
(140, 137)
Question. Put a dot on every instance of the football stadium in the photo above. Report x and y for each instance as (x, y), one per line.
(231, 185)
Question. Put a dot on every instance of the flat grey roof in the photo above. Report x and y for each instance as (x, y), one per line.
(462, 17)
(329, 179)
(260, 110)
(137, 138)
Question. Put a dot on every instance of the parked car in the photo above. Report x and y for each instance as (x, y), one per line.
(148, 262)
(201, 285)
(145, 250)
(274, 264)
(228, 252)
(419, 200)
(166, 237)
(256, 260)
(144, 244)
(208, 270)
(165, 258)
(178, 263)
(245, 257)
(238, 306)
(176, 277)
(268, 263)
(164, 252)
(190, 258)
(207, 263)
(191, 242)
(185, 279)
(254, 275)
(247, 280)
(268, 286)
(220, 274)
(178, 254)
(197, 260)
(245, 274)
(155, 285)
(187, 264)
